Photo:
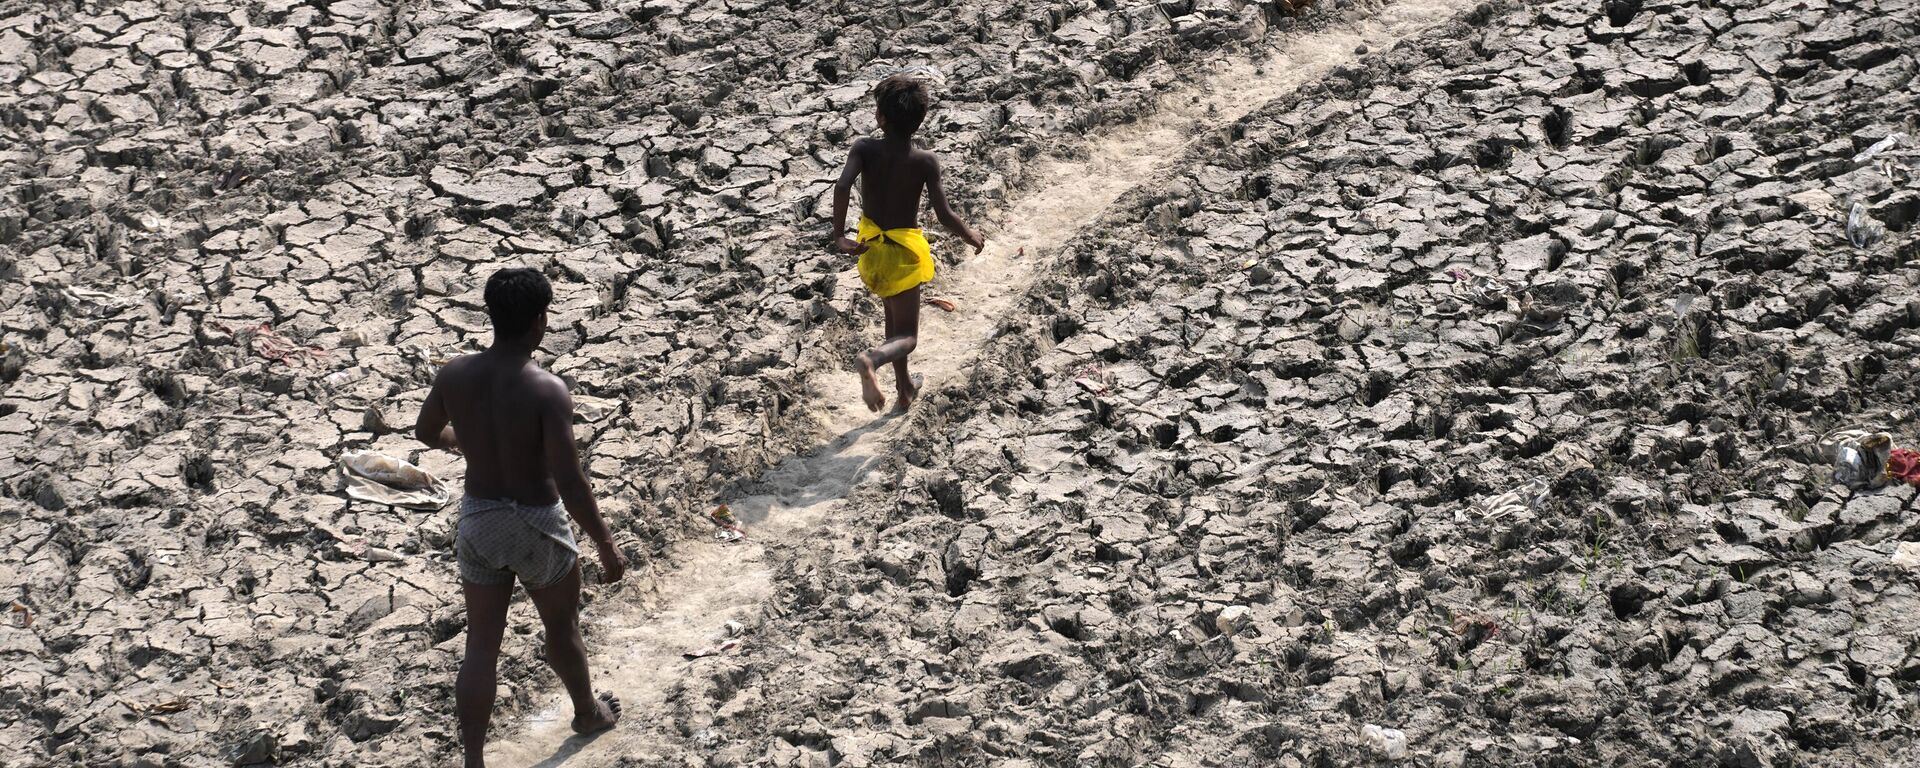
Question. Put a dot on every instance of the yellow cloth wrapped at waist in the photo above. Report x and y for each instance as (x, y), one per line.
(895, 260)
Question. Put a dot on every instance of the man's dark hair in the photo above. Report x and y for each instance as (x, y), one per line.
(903, 101)
(515, 297)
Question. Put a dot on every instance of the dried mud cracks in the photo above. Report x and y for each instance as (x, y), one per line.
(1216, 498)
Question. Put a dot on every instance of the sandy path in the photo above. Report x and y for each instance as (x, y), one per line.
(638, 647)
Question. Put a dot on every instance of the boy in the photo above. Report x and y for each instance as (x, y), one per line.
(514, 423)
(894, 256)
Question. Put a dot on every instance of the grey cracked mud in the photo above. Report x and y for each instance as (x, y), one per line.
(342, 175)
(1163, 435)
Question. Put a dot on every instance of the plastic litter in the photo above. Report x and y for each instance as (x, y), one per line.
(1892, 140)
(383, 479)
(1478, 289)
(91, 303)
(343, 377)
(1523, 499)
(269, 344)
(1543, 743)
(1859, 457)
(1475, 626)
(730, 640)
(1906, 555)
(730, 529)
(1231, 619)
(926, 73)
(168, 707)
(1390, 742)
(725, 646)
(383, 555)
(1093, 379)
(592, 409)
(1861, 231)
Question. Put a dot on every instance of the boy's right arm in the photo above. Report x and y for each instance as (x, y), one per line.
(563, 465)
(937, 197)
(842, 191)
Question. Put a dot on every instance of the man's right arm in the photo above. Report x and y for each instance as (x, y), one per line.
(563, 465)
(433, 426)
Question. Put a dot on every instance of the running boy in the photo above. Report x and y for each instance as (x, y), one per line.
(514, 423)
(894, 256)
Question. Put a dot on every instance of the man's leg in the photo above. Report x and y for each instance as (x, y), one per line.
(559, 607)
(903, 334)
(473, 690)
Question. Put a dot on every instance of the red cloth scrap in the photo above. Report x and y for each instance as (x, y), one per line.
(1904, 464)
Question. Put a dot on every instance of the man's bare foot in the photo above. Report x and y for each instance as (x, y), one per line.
(869, 386)
(606, 712)
(941, 303)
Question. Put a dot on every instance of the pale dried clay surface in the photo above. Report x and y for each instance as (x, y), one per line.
(1210, 464)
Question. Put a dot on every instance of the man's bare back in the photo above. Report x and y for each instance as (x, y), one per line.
(499, 407)
(514, 422)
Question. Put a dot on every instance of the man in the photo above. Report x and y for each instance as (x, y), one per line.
(514, 424)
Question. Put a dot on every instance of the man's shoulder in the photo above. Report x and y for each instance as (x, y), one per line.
(545, 384)
(457, 368)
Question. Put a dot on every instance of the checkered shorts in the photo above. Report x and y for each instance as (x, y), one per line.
(500, 539)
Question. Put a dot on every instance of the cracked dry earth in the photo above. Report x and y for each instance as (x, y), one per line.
(236, 238)
(1220, 488)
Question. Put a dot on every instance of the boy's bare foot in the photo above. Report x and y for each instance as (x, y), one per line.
(606, 712)
(869, 386)
(941, 303)
(903, 398)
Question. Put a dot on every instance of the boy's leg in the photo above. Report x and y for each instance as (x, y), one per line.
(473, 690)
(869, 386)
(903, 335)
(559, 607)
(902, 328)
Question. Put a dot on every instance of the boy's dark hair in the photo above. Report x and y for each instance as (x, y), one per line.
(515, 297)
(903, 101)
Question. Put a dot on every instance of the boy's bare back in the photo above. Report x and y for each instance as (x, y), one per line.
(505, 414)
(892, 177)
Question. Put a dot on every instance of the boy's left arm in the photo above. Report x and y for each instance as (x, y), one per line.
(937, 196)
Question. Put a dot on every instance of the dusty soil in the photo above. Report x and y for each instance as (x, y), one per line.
(1207, 475)
(237, 236)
